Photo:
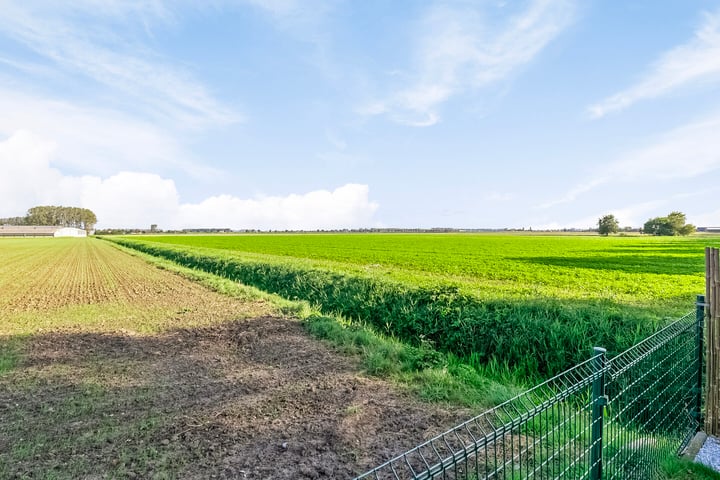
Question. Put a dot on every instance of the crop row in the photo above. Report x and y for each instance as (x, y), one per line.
(534, 336)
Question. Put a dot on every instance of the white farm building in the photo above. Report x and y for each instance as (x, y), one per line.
(70, 232)
(40, 231)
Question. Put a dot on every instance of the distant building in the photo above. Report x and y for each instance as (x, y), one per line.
(207, 230)
(70, 232)
(40, 231)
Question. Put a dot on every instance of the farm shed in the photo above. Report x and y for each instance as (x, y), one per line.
(70, 232)
(27, 231)
(40, 231)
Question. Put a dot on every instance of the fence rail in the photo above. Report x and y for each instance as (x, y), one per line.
(602, 419)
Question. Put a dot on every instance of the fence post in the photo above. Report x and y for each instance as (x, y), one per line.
(712, 347)
(599, 400)
(699, 351)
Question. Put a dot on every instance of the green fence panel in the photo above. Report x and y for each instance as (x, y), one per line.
(602, 419)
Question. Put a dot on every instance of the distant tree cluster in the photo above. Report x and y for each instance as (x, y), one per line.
(673, 224)
(13, 221)
(55, 216)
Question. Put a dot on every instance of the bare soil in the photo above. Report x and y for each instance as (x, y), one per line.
(253, 398)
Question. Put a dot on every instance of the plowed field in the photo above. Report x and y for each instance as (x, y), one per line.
(86, 284)
(113, 368)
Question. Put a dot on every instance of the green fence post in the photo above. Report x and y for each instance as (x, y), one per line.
(598, 407)
(699, 350)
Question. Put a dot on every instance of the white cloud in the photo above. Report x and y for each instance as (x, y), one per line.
(137, 199)
(131, 199)
(25, 172)
(83, 40)
(458, 50)
(345, 207)
(687, 64)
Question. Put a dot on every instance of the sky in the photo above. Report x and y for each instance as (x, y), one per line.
(310, 114)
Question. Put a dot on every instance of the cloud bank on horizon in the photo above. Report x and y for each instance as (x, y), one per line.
(133, 199)
(292, 114)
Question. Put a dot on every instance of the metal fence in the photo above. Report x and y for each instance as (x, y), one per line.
(602, 419)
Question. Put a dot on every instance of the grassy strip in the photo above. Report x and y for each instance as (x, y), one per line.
(535, 337)
(433, 376)
(675, 468)
(10, 348)
(223, 285)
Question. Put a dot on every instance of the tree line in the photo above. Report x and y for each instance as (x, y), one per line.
(55, 216)
(675, 223)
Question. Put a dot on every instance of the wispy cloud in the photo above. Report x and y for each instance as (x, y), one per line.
(576, 191)
(84, 40)
(94, 140)
(307, 21)
(686, 152)
(276, 7)
(457, 49)
(637, 214)
(498, 197)
(688, 64)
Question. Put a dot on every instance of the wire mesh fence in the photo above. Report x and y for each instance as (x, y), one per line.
(602, 419)
(652, 394)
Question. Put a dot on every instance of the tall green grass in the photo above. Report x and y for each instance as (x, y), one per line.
(674, 468)
(535, 337)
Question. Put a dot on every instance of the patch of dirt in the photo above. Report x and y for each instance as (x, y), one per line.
(255, 398)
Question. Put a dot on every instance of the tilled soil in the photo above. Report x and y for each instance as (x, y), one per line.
(254, 398)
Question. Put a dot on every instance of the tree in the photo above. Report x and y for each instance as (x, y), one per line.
(673, 224)
(13, 221)
(608, 224)
(61, 217)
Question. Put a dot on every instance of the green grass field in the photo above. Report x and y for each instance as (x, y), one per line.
(533, 303)
(633, 270)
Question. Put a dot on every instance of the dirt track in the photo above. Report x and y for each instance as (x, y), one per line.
(251, 399)
(124, 370)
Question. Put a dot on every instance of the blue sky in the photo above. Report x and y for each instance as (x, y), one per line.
(304, 114)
